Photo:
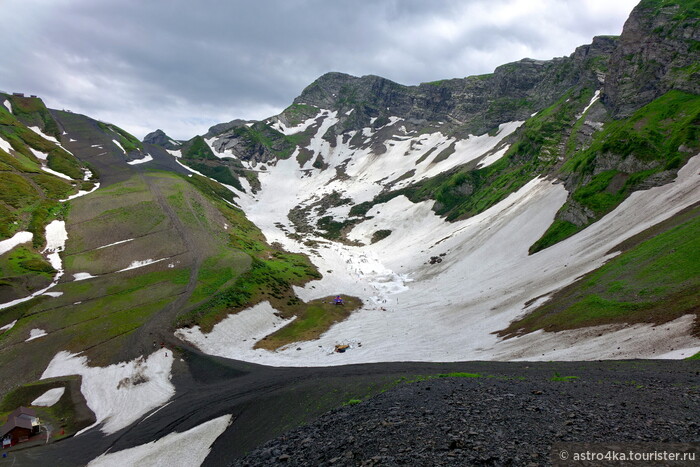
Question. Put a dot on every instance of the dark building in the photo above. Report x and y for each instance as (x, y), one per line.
(21, 424)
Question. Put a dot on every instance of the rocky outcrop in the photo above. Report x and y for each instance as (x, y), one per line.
(658, 51)
(159, 138)
(475, 104)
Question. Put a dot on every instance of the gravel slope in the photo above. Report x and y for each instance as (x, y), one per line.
(500, 420)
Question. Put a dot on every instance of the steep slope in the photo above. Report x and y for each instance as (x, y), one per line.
(36, 172)
(532, 173)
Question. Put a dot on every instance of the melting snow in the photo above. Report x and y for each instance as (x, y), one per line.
(119, 145)
(483, 282)
(139, 264)
(115, 243)
(5, 146)
(49, 398)
(148, 158)
(81, 193)
(595, 97)
(189, 448)
(56, 237)
(17, 239)
(58, 174)
(38, 131)
(53, 294)
(8, 326)
(38, 154)
(122, 393)
(8, 105)
(81, 276)
(35, 334)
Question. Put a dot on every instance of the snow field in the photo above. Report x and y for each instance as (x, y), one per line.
(49, 398)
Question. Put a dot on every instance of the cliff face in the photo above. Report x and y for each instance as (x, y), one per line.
(658, 51)
(474, 104)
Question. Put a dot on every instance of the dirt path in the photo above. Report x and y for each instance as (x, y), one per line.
(158, 329)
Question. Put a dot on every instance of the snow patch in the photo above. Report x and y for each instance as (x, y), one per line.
(58, 174)
(8, 326)
(595, 97)
(147, 158)
(115, 243)
(5, 146)
(53, 294)
(116, 143)
(35, 334)
(8, 105)
(56, 237)
(189, 448)
(81, 193)
(38, 131)
(139, 264)
(175, 153)
(38, 154)
(17, 239)
(238, 333)
(122, 393)
(49, 398)
(81, 276)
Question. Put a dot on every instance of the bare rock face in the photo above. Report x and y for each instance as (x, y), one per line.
(159, 138)
(658, 51)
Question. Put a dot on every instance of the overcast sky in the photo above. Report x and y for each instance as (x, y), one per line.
(185, 65)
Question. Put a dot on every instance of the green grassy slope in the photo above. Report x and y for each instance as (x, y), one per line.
(30, 196)
(655, 281)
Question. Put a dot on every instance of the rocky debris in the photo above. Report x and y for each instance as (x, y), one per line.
(491, 421)
(435, 260)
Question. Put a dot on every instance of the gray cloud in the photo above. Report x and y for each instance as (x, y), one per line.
(183, 66)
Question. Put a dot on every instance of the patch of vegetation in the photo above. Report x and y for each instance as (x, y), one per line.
(220, 173)
(298, 113)
(353, 402)
(459, 375)
(558, 231)
(652, 135)
(32, 112)
(558, 377)
(312, 320)
(656, 281)
(198, 149)
(380, 235)
(128, 141)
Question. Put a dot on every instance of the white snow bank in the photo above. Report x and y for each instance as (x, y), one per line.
(56, 237)
(5, 146)
(53, 294)
(147, 158)
(8, 105)
(38, 131)
(175, 153)
(35, 334)
(119, 394)
(49, 398)
(447, 311)
(8, 326)
(139, 264)
(56, 173)
(38, 154)
(237, 334)
(81, 276)
(188, 448)
(115, 243)
(81, 193)
(119, 145)
(17, 239)
(595, 97)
